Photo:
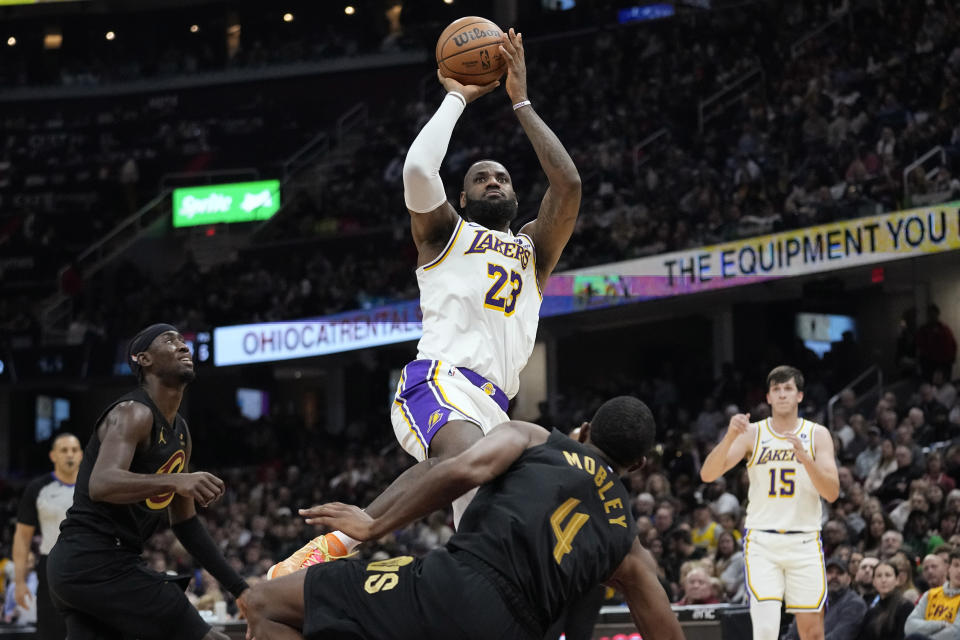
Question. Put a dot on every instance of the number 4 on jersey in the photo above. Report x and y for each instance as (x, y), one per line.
(566, 534)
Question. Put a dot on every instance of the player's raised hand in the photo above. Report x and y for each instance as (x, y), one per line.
(347, 518)
(203, 487)
(512, 50)
(739, 424)
(798, 448)
(470, 92)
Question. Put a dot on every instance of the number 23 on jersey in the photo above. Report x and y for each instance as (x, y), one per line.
(500, 296)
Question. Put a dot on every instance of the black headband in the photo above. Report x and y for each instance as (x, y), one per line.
(142, 341)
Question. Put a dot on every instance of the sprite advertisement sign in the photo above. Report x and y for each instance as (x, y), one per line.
(235, 202)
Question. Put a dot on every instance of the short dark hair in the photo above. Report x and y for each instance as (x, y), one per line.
(623, 428)
(954, 555)
(783, 373)
(61, 436)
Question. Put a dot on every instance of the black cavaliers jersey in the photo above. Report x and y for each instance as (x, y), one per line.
(556, 524)
(129, 524)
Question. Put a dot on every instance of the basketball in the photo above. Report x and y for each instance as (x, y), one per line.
(468, 51)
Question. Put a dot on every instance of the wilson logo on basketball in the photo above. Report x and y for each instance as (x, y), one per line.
(173, 465)
(463, 38)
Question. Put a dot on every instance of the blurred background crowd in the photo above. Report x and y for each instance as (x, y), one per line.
(708, 127)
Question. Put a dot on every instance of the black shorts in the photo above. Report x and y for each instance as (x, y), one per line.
(404, 598)
(50, 625)
(109, 592)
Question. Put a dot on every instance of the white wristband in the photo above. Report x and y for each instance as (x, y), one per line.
(520, 104)
(457, 94)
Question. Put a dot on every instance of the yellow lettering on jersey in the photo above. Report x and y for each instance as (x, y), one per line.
(381, 582)
(572, 459)
(603, 490)
(941, 607)
(601, 475)
(589, 464)
(616, 503)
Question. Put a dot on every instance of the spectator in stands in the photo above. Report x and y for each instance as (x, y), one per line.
(834, 534)
(663, 518)
(845, 609)
(944, 390)
(873, 534)
(871, 454)
(729, 566)
(863, 581)
(934, 570)
(679, 549)
(890, 543)
(916, 533)
(936, 346)
(935, 472)
(643, 506)
(935, 615)
(705, 531)
(730, 522)
(860, 440)
(886, 465)
(906, 570)
(698, 588)
(900, 513)
(721, 501)
(888, 613)
(896, 485)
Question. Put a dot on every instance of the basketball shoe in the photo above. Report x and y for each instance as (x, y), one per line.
(326, 548)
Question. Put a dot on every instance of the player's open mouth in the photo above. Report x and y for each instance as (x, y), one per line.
(187, 360)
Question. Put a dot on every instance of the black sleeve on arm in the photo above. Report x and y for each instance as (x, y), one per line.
(201, 546)
(27, 509)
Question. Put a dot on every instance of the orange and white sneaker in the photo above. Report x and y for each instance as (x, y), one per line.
(325, 548)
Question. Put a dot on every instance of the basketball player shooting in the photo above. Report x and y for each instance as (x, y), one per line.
(480, 290)
(791, 465)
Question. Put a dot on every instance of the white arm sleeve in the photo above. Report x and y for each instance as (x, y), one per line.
(422, 188)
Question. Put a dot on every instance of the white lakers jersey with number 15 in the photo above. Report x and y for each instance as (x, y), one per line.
(481, 304)
(781, 495)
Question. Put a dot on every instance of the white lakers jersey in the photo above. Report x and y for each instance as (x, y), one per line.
(481, 304)
(782, 496)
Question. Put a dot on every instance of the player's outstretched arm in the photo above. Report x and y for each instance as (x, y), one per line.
(636, 579)
(561, 203)
(436, 488)
(737, 442)
(432, 218)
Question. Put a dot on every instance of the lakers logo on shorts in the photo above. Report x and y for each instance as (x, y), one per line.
(173, 465)
(488, 388)
(435, 417)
